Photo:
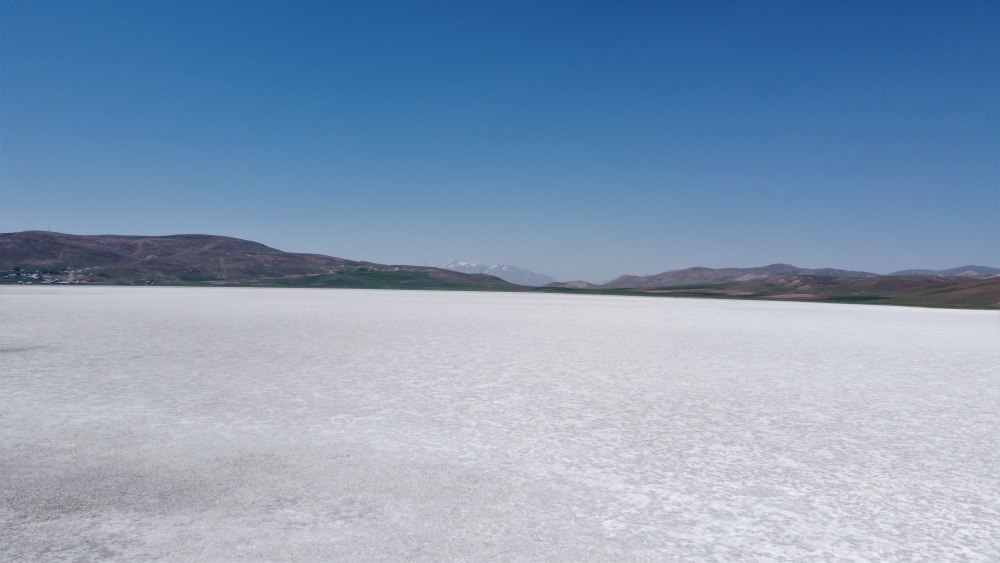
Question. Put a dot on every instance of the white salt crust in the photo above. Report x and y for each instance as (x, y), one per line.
(209, 424)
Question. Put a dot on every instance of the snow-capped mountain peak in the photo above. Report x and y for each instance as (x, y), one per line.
(507, 273)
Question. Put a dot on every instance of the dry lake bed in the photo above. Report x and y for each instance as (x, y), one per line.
(209, 424)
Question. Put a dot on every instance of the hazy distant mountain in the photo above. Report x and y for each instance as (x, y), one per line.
(578, 284)
(964, 271)
(709, 275)
(510, 274)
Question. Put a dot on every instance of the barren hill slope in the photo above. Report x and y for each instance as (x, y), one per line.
(710, 275)
(209, 259)
(923, 290)
(964, 271)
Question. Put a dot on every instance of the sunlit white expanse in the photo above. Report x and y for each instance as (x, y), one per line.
(270, 424)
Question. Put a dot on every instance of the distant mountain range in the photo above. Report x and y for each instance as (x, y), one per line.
(709, 275)
(963, 271)
(510, 274)
(965, 287)
(41, 256)
(700, 275)
(32, 257)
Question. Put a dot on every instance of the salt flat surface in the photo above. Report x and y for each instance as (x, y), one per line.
(204, 424)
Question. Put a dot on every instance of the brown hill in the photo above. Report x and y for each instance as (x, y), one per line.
(208, 259)
(700, 275)
(963, 271)
(965, 292)
(922, 290)
(913, 290)
(572, 285)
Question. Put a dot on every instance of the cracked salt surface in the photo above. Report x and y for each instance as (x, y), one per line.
(205, 424)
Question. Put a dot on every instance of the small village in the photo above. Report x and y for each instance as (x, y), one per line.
(44, 277)
(69, 276)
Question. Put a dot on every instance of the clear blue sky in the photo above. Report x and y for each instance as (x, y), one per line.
(580, 139)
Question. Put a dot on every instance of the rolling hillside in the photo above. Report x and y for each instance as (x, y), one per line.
(43, 257)
(208, 260)
(963, 271)
(922, 290)
(721, 275)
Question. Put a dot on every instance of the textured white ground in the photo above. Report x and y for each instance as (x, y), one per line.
(191, 424)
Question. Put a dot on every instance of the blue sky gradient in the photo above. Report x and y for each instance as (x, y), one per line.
(582, 140)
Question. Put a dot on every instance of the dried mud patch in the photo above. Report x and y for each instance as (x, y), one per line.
(85, 500)
(16, 349)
